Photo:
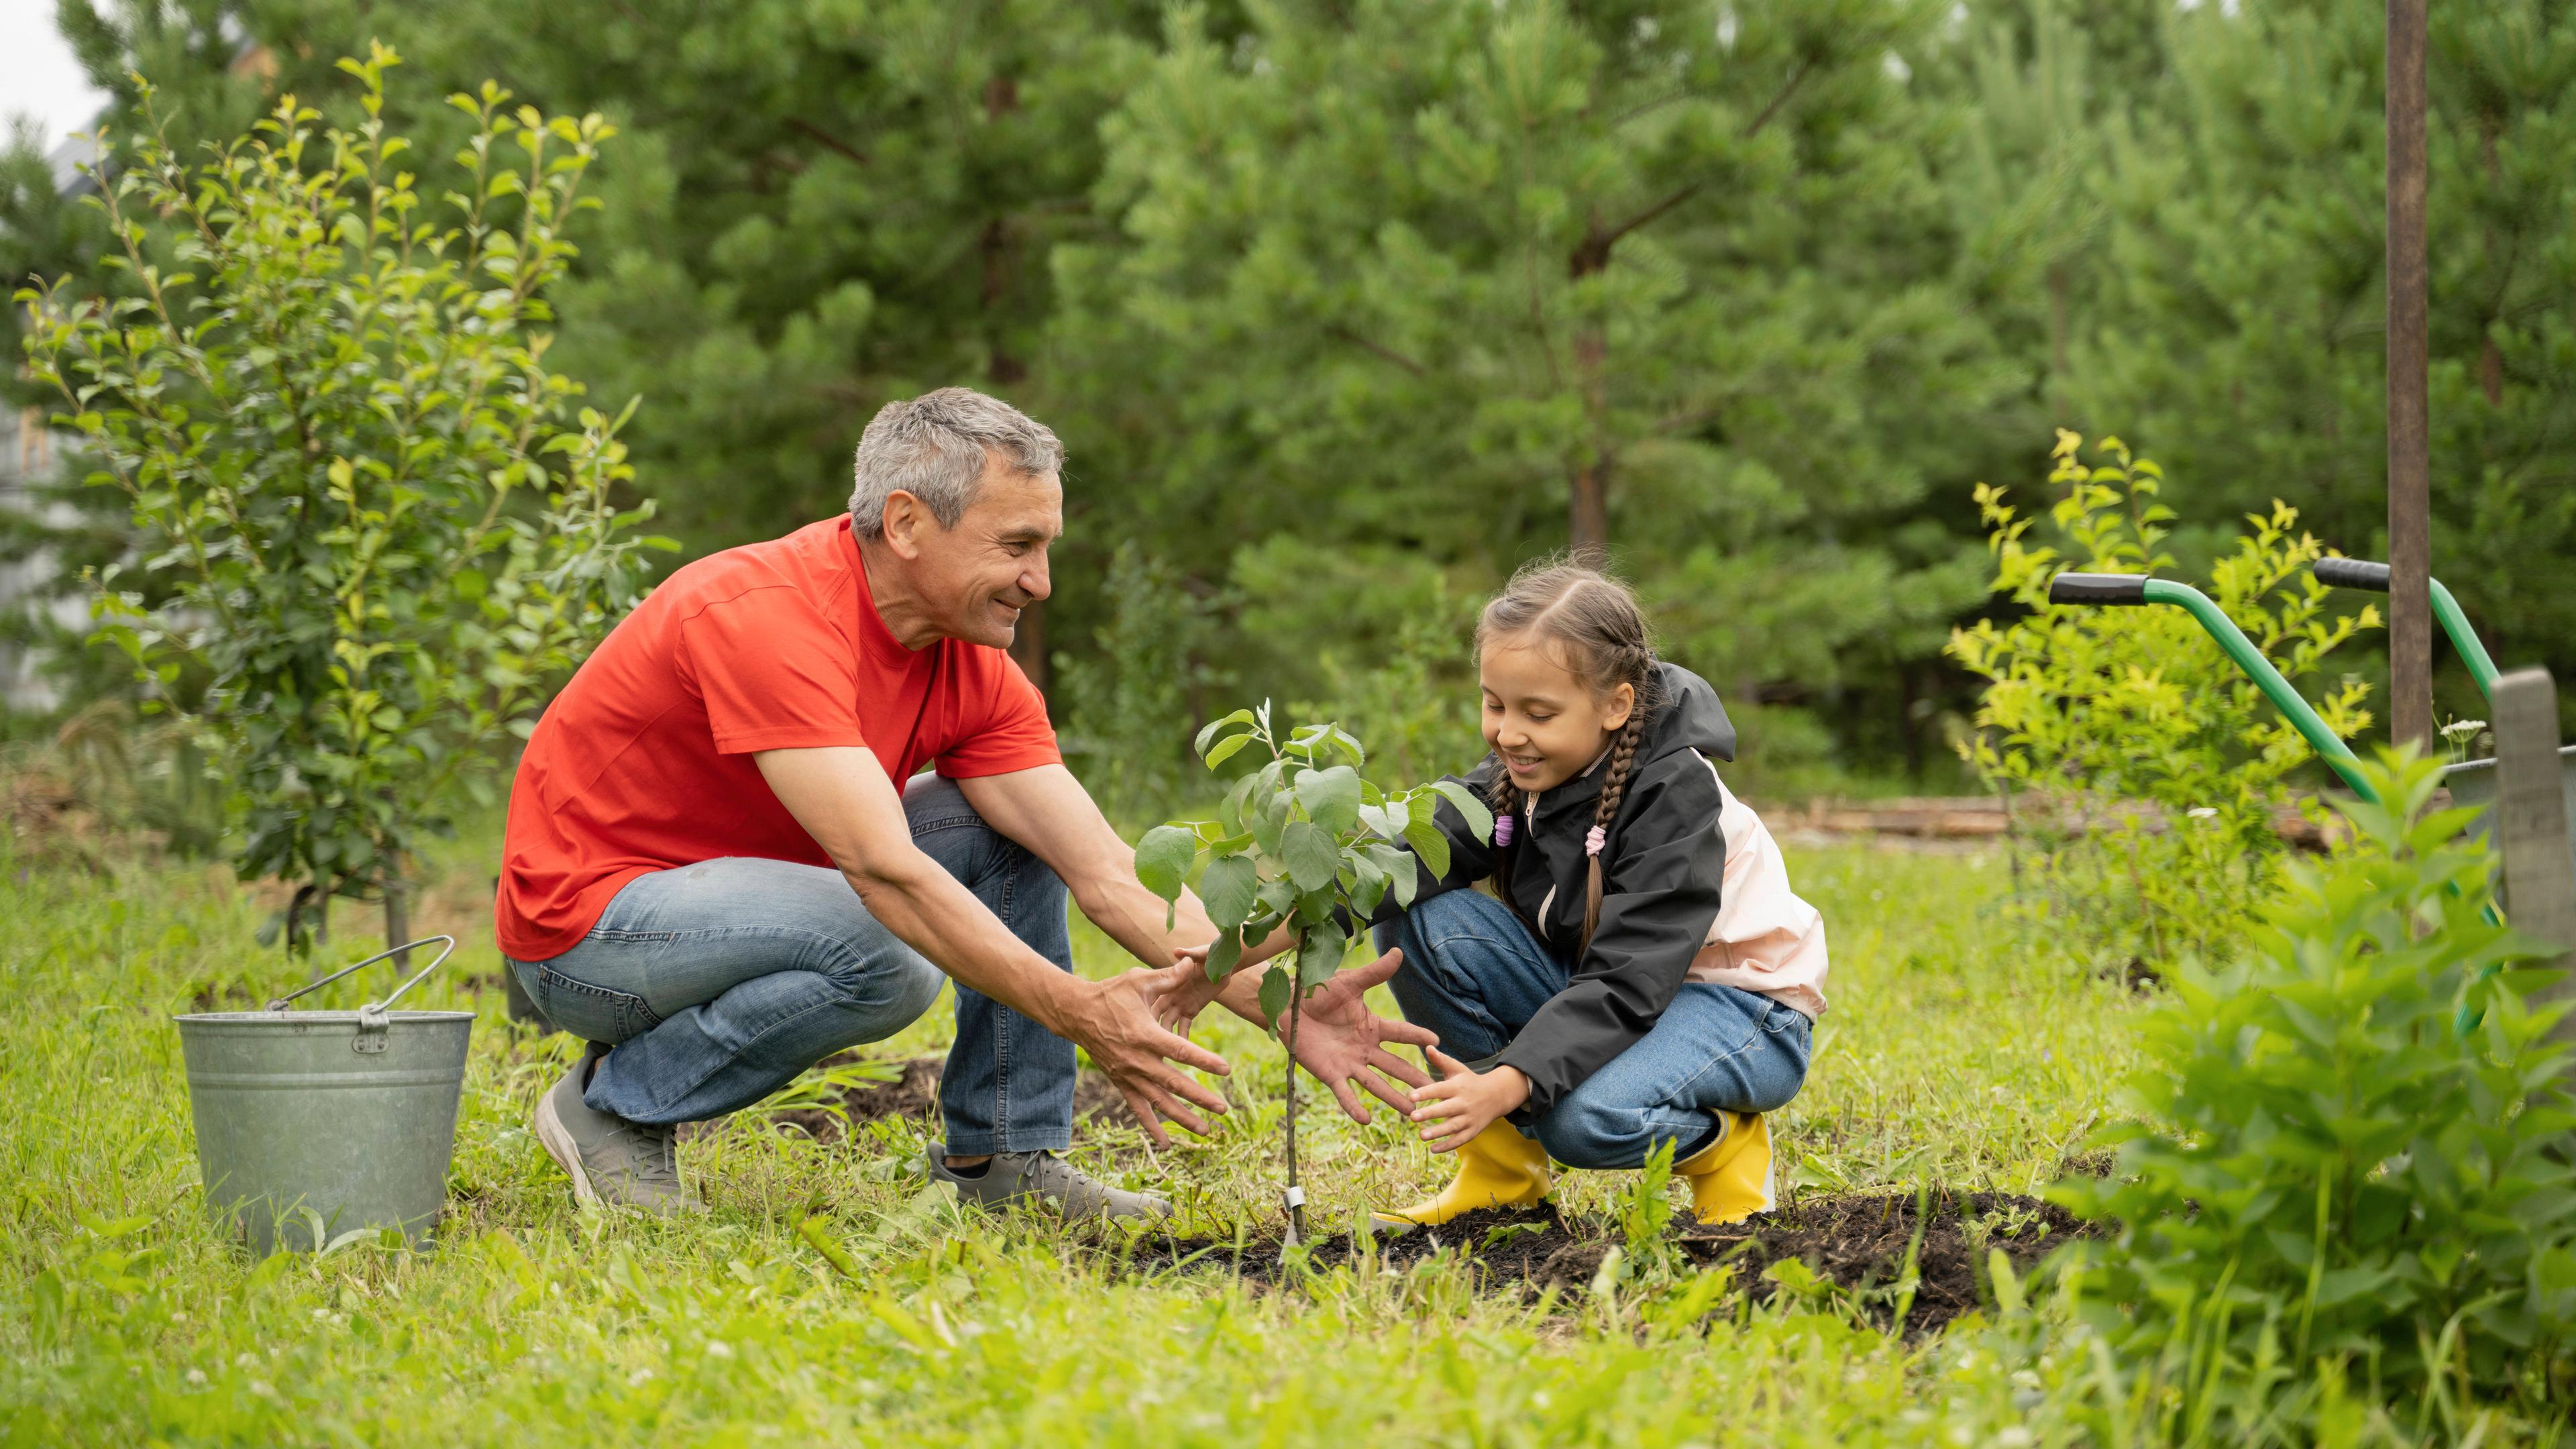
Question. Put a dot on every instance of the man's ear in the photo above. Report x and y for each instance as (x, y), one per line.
(904, 517)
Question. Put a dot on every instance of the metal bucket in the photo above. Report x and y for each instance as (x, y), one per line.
(313, 1126)
(2474, 782)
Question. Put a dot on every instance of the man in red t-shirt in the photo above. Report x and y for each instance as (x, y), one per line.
(720, 867)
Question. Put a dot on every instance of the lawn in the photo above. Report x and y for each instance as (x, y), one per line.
(832, 1296)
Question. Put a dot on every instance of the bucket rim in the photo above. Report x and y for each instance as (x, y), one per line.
(309, 1018)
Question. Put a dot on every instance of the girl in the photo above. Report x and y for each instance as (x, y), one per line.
(1641, 972)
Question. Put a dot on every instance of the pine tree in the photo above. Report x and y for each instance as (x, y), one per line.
(2238, 326)
(1472, 281)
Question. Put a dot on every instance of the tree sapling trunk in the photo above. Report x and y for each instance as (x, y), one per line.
(1300, 845)
(1296, 1199)
(397, 917)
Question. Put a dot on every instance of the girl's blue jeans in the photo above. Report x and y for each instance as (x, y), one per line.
(719, 982)
(1474, 974)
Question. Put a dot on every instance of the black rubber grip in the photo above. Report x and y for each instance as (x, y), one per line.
(2352, 573)
(2098, 589)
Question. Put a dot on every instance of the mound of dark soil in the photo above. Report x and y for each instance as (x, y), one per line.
(1860, 1242)
(1512, 1246)
(1857, 1242)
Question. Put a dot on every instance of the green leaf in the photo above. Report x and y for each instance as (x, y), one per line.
(1226, 749)
(1371, 889)
(1309, 855)
(1319, 955)
(1229, 886)
(1265, 821)
(1274, 995)
(1331, 797)
(1163, 859)
(1387, 820)
(1224, 956)
(1429, 845)
(1480, 820)
(1403, 874)
(1217, 726)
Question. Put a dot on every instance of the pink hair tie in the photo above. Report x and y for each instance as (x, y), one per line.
(1502, 830)
(1592, 843)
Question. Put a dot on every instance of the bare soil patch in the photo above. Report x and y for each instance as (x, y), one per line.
(1858, 1242)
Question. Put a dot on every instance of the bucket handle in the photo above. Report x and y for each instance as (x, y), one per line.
(376, 1009)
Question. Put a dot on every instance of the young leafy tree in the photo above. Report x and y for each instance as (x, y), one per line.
(1304, 844)
(375, 528)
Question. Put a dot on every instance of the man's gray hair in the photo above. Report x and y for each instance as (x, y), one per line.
(934, 448)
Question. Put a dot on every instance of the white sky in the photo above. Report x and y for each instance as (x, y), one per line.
(38, 77)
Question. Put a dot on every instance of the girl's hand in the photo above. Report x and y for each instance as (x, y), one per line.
(1464, 1102)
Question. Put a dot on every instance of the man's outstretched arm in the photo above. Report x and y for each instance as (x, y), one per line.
(843, 799)
(1339, 1040)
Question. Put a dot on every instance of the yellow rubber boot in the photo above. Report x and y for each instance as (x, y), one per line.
(1730, 1179)
(1497, 1167)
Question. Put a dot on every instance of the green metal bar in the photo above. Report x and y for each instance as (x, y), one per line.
(2232, 641)
(2464, 640)
(2371, 576)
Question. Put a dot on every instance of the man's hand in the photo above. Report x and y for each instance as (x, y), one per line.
(1342, 1042)
(1464, 1102)
(1113, 1020)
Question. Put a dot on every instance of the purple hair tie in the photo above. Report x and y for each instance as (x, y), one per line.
(1593, 842)
(1502, 830)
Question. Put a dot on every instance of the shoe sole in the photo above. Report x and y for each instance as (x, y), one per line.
(557, 1140)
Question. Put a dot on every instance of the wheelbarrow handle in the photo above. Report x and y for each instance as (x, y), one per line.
(2231, 641)
(2368, 575)
(2103, 589)
(2371, 576)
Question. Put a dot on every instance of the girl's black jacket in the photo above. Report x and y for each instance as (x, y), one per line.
(1662, 863)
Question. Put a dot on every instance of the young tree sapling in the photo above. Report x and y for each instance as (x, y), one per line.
(1303, 843)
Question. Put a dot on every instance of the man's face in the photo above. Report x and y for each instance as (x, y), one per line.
(975, 578)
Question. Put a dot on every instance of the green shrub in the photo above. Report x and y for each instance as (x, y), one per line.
(2329, 1176)
(2145, 768)
(372, 539)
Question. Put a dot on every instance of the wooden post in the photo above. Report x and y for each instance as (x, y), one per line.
(2410, 465)
(2531, 820)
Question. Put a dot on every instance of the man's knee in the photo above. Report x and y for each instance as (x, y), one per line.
(891, 988)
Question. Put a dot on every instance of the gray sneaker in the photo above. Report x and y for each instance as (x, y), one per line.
(611, 1161)
(1025, 1177)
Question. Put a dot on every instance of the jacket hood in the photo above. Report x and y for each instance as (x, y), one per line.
(1689, 718)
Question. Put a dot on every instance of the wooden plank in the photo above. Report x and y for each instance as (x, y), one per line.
(2531, 820)
(2410, 534)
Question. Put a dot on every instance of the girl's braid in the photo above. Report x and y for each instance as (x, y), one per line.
(1614, 788)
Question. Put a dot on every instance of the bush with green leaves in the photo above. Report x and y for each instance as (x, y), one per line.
(2154, 767)
(1303, 843)
(375, 529)
(2330, 1180)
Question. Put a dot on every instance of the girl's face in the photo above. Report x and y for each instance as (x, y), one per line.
(1541, 721)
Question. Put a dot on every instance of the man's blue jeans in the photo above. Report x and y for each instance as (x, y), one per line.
(717, 983)
(1474, 974)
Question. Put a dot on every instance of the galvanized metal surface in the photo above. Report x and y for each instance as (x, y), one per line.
(324, 1115)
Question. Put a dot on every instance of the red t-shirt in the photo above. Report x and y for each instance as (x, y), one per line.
(644, 762)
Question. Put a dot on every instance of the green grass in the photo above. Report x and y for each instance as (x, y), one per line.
(1955, 1052)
